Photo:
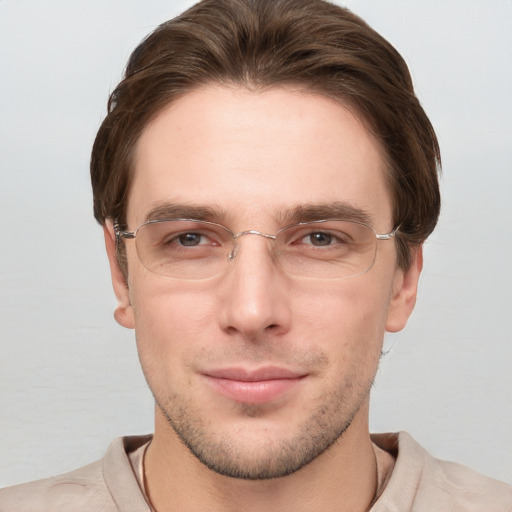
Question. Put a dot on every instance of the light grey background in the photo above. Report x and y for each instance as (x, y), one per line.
(70, 380)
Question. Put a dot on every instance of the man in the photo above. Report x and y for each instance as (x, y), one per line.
(265, 177)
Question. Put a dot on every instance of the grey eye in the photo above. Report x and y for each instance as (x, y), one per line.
(190, 239)
(320, 239)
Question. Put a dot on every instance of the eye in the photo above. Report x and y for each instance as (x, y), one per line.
(189, 239)
(323, 238)
(177, 239)
(318, 239)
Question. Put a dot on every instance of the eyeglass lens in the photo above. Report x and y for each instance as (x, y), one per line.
(187, 249)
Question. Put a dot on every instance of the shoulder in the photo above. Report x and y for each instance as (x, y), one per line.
(421, 482)
(97, 486)
(83, 488)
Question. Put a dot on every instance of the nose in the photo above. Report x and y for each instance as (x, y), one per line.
(255, 295)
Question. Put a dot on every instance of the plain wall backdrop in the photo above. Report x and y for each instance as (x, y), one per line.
(69, 376)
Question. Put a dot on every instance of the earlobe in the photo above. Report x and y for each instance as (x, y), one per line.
(124, 310)
(405, 290)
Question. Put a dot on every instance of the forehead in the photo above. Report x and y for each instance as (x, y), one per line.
(256, 155)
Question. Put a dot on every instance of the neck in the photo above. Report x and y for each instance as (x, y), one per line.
(343, 478)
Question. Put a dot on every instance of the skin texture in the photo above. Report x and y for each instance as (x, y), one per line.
(253, 157)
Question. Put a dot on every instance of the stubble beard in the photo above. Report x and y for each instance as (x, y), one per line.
(274, 458)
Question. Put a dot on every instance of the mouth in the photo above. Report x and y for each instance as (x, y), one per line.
(257, 386)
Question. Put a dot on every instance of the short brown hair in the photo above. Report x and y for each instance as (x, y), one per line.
(312, 44)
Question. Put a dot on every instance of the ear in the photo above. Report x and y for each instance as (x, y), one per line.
(124, 310)
(405, 289)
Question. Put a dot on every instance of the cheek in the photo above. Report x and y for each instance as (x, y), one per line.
(348, 318)
(170, 326)
(169, 320)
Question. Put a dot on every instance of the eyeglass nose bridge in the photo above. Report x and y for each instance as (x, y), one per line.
(234, 250)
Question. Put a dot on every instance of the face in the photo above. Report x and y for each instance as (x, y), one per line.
(256, 371)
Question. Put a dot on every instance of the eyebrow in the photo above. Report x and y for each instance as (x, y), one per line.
(334, 211)
(298, 214)
(167, 210)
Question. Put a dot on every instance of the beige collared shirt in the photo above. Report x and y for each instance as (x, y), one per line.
(418, 483)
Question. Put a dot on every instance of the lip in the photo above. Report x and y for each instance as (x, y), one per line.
(256, 386)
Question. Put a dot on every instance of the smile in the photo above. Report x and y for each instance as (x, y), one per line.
(253, 387)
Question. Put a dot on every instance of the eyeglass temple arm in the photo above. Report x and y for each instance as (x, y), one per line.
(387, 236)
(122, 234)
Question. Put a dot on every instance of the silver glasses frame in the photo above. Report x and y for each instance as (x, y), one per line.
(132, 235)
